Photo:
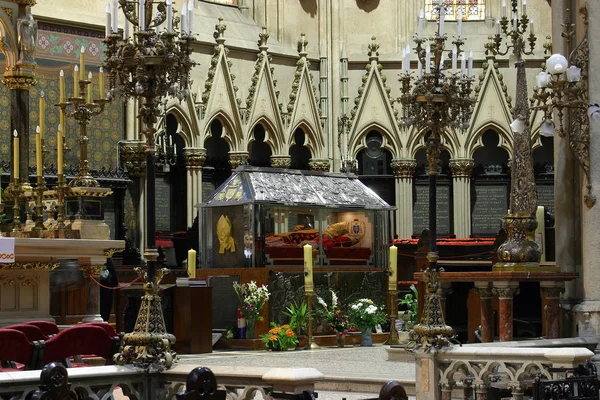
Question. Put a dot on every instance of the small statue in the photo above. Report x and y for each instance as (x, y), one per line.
(224, 234)
(27, 29)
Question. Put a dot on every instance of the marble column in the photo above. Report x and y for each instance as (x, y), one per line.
(427, 376)
(92, 292)
(588, 311)
(552, 291)
(506, 292)
(481, 390)
(404, 170)
(461, 190)
(446, 391)
(194, 160)
(517, 390)
(486, 296)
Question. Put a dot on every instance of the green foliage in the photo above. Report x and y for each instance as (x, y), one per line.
(298, 314)
(411, 303)
(365, 314)
(279, 338)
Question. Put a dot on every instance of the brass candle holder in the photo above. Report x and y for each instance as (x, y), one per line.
(60, 204)
(39, 205)
(392, 296)
(16, 192)
(310, 343)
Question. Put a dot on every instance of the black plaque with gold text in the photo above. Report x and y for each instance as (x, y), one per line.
(421, 209)
(163, 204)
(545, 197)
(489, 203)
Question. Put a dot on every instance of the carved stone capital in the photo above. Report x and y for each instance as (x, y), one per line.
(238, 158)
(505, 293)
(350, 166)
(194, 158)
(30, 3)
(485, 293)
(462, 167)
(281, 161)
(23, 82)
(553, 292)
(319, 164)
(92, 270)
(133, 158)
(403, 169)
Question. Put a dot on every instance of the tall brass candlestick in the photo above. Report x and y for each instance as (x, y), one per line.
(309, 292)
(41, 184)
(16, 191)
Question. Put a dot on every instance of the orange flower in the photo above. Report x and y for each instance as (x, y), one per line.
(272, 331)
(289, 333)
(273, 338)
(276, 330)
(286, 326)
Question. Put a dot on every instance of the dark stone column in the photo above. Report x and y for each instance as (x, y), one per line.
(552, 294)
(487, 319)
(19, 121)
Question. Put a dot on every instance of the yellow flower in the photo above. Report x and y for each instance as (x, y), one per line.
(289, 333)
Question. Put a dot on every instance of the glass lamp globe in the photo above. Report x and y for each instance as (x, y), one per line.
(556, 64)
(543, 79)
(573, 74)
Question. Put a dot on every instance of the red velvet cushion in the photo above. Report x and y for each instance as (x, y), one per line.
(79, 339)
(14, 346)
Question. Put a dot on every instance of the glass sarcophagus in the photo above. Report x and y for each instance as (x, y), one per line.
(264, 217)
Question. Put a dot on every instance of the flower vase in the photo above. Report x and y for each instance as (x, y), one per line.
(340, 339)
(250, 328)
(366, 337)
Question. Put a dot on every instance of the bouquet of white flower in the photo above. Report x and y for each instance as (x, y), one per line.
(364, 314)
(251, 298)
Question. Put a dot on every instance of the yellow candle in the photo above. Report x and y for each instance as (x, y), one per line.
(16, 155)
(76, 81)
(191, 263)
(101, 82)
(82, 63)
(59, 150)
(42, 114)
(308, 265)
(38, 152)
(61, 87)
(393, 277)
(90, 88)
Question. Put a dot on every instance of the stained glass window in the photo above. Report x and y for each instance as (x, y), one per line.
(472, 10)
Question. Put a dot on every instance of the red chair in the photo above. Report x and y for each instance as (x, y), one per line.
(32, 332)
(106, 326)
(80, 339)
(48, 328)
(16, 348)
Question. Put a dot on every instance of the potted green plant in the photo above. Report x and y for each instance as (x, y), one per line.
(333, 317)
(280, 338)
(411, 305)
(298, 315)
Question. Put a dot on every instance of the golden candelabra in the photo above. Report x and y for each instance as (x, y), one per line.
(16, 192)
(153, 63)
(82, 108)
(520, 251)
(436, 99)
(562, 88)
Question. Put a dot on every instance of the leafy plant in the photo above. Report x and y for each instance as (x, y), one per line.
(251, 299)
(298, 314)
(279, 338)
(364, 314)
(411, 303)
(332, 314)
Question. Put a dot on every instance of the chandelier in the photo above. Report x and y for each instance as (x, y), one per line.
(437, 98)
(166, 151)
(149, 65)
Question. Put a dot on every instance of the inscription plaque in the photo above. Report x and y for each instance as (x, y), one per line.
(224, 301)
(421, 209)
(163, 205)
(545, 197)
(488, 205)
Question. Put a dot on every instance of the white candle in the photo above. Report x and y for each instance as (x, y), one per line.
(427, 59)
(191, 261)
(459, 22)
(419, 68)
(515, 22)
(421, 21)
(90, 88)
(463, 64)
(393, 277)
(126, 30)
(308, 266)
(190, 11)
(531, 26)
(454, 58)
(115, 16)
(442, 17)
(107, 30)
(169, 16)
(524, 7)
(403, 60)
(183, 18)
(503, 8)
(142, 14)
(408, 51)
(470, 70)
(442, 62)
(497, 27)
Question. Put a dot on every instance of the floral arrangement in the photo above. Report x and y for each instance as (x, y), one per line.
(333, 315)
(251, 299)
(364, 314)
(280, 338)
